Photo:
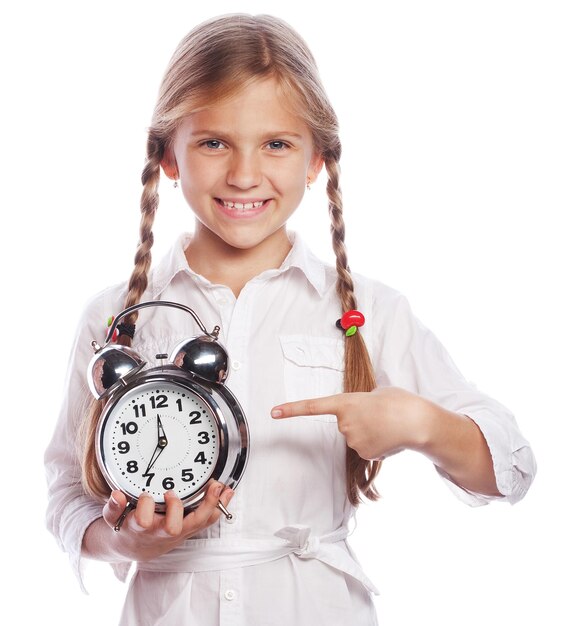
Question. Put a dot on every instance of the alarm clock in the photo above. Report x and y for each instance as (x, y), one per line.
(175, 426)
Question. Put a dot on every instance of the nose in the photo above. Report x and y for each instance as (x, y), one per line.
(244, 170)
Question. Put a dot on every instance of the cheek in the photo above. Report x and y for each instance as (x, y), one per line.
(198, 176)
(191, 171)
(288, 177)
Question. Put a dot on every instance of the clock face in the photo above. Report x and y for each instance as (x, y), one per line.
(160, 435)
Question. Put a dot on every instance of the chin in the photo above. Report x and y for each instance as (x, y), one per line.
(248, 238)
(243, 243)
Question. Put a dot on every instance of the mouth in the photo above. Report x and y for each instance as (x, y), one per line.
(241, 205)
(245, 207)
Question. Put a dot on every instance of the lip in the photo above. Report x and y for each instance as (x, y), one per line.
(241, 213)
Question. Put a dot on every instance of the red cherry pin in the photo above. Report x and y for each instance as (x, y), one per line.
(350, 321)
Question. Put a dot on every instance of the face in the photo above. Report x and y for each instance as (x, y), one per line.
(243, 166)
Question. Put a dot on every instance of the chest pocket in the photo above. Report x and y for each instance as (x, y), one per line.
(312, 367)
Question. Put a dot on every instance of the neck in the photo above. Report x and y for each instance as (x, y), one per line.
(221, 263)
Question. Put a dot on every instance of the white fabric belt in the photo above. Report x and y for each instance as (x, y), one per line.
(204, 555)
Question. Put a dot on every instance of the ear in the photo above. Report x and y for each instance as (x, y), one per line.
(314, 167)
(168, 164)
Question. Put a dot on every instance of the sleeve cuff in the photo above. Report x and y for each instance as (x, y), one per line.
(75, 548)
(78, 516)
(513, 462)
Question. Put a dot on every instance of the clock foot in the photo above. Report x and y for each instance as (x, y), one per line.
(130, 506)
(223, 509)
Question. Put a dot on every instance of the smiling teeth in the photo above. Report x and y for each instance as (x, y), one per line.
(242, 206)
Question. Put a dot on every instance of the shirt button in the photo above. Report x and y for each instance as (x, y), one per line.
(236, 365)
(222, 301)
(230, 594)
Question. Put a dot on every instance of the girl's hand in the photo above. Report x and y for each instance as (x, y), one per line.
(389, 419)
(146, 534)
(376, 424)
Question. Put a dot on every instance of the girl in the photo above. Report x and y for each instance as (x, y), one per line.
(243, 126)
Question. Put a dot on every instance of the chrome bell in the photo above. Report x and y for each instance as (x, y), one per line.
(111, 365)
(204, 357)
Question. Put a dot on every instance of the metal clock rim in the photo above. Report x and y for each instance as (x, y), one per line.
(167, 376)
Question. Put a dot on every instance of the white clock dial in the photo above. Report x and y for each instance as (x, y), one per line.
(159, 436)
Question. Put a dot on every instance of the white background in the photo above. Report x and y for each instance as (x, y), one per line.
(451, 127)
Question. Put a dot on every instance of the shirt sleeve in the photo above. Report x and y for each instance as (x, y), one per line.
(70, 510)
(413, 358)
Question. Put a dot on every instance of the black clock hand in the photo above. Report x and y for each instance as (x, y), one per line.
(162, 440)
(154, 458)
(162, 443)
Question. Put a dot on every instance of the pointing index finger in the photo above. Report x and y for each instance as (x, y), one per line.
(312, 406)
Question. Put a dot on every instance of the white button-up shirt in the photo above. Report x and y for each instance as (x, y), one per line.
(283, 559)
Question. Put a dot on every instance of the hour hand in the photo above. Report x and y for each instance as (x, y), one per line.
(162, 443)
(162, 440)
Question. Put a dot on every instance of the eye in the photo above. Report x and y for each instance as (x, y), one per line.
(213, 144)
(277, 144)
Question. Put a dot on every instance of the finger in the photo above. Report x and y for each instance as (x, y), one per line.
(225, 498)
(173, 523)
(200, 517)
(114, 507)
(313, 406)
(144, 513)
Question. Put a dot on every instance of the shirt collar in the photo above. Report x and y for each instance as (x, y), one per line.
(171, 264)
(299, 257)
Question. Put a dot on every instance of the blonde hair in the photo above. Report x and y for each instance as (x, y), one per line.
(214, 61)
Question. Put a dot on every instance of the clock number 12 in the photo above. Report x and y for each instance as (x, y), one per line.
(159, 402)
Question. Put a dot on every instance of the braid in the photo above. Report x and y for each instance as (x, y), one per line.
(149, 203)
(92, 478)
(344, 285)
(358, 374)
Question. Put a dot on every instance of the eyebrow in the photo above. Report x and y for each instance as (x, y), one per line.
(219, 133)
